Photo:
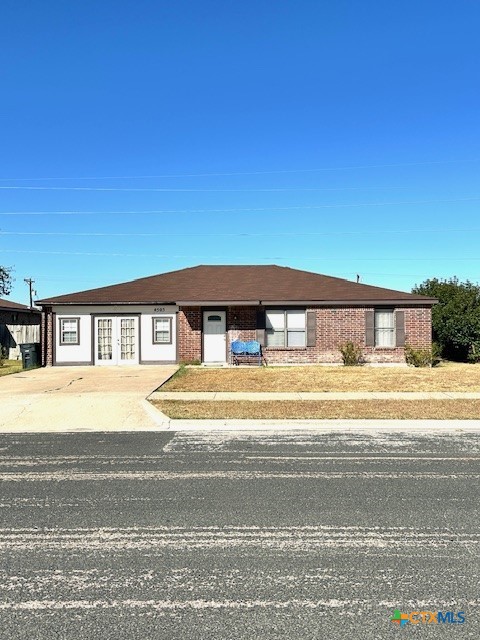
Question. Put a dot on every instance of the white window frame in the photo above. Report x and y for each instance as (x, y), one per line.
(155, 330)
(286, 330)
(75, 331)
(384, 331)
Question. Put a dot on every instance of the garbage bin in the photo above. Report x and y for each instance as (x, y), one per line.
(30, 354)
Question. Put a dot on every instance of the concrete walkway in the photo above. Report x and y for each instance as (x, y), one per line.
(347, 395)
(81, 398)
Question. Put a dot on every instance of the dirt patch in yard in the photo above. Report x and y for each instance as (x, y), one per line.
(329, 409)
(446, 377)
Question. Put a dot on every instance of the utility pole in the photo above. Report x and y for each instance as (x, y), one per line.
(30, 283)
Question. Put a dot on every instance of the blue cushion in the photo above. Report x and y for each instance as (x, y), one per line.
(238, 347)
(253, 348)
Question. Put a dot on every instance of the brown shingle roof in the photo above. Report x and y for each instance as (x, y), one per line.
(237, 283)
(8, 305)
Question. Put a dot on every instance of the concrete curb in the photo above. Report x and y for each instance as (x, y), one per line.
(327, 425)
(272, 426)
(161, 420)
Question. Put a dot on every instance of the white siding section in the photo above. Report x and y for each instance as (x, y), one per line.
(157, 352)
(65, 353)
(149, 352)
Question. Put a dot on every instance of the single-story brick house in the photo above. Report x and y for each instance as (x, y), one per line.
(195, 313)
(18, 325)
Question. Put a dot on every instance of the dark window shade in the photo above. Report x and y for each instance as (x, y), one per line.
(400, 328)
(369, 328)
(260, 326)
(311, 328)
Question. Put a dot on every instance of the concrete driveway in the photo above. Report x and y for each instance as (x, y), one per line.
(101, 398)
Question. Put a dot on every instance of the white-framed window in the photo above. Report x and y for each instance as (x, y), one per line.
(69, 330)
(285, 328)
(162, 330)
(384, 328)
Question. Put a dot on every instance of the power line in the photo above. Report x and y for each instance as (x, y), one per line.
(249, 173)
(241, 209)
(230, 257)
(236, 235)
(170, 190)
(338, 274)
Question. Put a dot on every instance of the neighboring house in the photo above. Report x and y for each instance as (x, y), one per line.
(18, 325)
(195, 313)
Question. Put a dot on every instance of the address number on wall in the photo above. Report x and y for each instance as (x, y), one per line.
(166, 309)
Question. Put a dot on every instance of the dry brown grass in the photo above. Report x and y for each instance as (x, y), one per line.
(446, 377)
(330, 409)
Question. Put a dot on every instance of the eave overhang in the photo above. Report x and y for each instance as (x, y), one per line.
(252, 303)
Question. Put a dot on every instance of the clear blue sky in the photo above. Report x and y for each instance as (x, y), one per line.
(338, 137)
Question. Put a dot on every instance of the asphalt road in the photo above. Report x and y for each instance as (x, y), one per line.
(234, 536)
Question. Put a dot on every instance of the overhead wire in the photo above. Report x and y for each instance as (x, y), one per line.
(272, 209)
(247, 173)
(237, 234)
(173, 190)
(229, 256)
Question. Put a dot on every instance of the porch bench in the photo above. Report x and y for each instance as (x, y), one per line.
(241, 351)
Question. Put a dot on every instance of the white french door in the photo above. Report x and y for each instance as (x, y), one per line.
(116, 340)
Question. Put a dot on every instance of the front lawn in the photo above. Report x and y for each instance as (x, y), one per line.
(450, 376)
(326, 410)
(10, 366)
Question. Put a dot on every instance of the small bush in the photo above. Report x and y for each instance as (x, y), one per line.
(423, 357)
(351, 354)
(3, 355)
(474, 352)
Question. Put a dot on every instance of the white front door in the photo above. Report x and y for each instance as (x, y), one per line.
(116, 340)
(214, 336)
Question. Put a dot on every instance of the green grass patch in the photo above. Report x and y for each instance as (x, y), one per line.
(10, 366)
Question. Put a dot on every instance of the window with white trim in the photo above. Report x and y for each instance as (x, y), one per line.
(384, 328)
(69, 330)
(285, 328)
(162, 330)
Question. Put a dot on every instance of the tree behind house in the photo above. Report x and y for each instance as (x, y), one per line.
(456, 317)
(5, 280)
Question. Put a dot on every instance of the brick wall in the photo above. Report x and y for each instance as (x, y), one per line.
(241, 324)
(418, 327)
(335, 326)
(189, 334)
(46, 337)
